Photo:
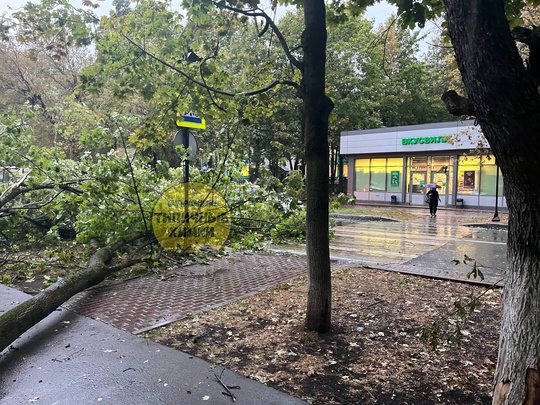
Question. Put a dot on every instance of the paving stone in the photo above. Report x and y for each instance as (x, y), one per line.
(141, 304)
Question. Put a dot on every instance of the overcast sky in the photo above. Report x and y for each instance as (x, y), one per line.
(5, 5)
(379, 12)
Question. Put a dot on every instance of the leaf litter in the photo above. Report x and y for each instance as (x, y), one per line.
(372, 355)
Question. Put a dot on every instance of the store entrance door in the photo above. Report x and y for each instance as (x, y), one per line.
(416, 193)
(441, 179)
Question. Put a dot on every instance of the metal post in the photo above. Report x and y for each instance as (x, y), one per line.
(446, 187)
(496, 215)
(185, 143)
(410, 180)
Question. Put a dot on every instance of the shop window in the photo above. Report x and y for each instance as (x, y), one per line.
(468, 175)
(394, 175)
(419, 163)
(418, 174)
(489, 180)
(378, 175)
(418, 181)
(361, 175)
(441, 173)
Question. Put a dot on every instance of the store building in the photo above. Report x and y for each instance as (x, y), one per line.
(396, 164)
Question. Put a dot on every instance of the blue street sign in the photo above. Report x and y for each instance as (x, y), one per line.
(191, 121)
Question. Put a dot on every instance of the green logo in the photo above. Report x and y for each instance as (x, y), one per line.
(425, 140)
(394, 178)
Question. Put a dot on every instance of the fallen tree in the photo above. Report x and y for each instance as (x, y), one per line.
(19, 319)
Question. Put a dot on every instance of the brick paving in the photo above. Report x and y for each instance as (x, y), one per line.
(141, 304)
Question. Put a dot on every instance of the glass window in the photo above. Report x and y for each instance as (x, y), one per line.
(489, 180)
(440, 179)
(441, 172)
(468, 175)
(418, 181)
(378, 175)
(417, 174)
(440, 164)
(394, 175)
(361, 175)
(419, 163)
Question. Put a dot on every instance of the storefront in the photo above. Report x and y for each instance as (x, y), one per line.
(395, 164)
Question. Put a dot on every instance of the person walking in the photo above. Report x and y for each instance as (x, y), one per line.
(433, 201)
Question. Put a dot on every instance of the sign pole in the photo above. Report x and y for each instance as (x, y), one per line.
(185, 143)
(185, 122)
(496, 215)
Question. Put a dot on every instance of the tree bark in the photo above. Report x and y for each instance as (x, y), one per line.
(317, 107)
(19, 319)
(457, 105)
(507, 106)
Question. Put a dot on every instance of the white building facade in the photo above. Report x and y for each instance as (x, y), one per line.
(395, 164)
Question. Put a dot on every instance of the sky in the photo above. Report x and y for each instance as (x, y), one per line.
(5, 5)
(379, 12)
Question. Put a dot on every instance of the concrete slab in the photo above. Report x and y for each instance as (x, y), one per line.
(490, 258)
(71, 359)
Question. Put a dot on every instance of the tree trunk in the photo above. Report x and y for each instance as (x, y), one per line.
(19, 319)
(317, 107)
(507, 106)
(517, 379)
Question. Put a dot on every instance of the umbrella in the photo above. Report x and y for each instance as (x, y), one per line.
(431, 185)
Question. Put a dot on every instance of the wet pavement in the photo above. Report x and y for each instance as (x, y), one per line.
(414, 248)
(433, 247)
(146, 303)
(87, 352)
(72, 359)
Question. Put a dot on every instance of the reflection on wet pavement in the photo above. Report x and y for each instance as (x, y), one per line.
(430, 243)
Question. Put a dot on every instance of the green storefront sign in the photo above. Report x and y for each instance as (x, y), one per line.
(394, 178)
(425, 140)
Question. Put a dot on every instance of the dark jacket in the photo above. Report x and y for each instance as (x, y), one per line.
(433, 196)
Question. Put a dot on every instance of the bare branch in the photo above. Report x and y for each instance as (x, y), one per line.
(217, 91)
(268, 22)
(19, 189)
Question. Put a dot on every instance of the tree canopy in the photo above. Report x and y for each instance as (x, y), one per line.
(271, 92)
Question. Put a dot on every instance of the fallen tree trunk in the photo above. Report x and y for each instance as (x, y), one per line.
(19, 319)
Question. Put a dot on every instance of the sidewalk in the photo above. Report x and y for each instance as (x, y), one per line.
(439, 262)
(71, 359)
(145, 303)
(462, 215)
